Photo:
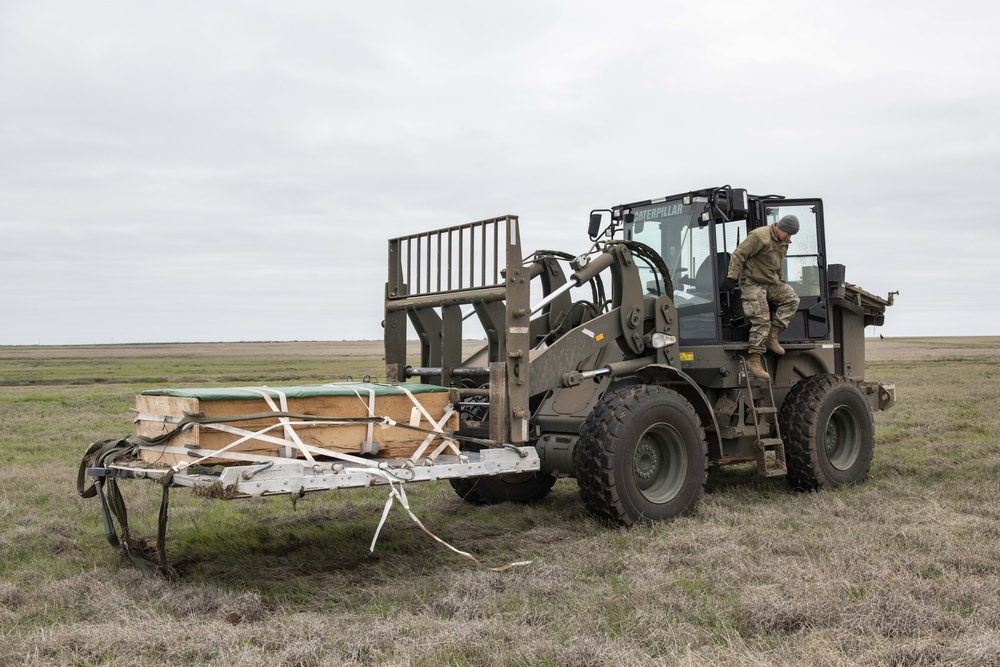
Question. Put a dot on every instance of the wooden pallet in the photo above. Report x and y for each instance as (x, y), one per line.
(338, 401)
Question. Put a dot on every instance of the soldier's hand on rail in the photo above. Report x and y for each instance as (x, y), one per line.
(728, 285)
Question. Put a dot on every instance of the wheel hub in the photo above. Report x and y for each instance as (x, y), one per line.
(843, 439)
(647, 460)
(660, 463)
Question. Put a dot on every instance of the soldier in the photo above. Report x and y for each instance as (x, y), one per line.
(756, 264)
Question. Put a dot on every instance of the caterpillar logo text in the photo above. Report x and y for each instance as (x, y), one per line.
(658, 212)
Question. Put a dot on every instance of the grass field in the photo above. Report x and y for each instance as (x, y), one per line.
(903, 570)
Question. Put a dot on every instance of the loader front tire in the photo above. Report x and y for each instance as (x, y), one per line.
(522, 487)
(829, 433)
(642, 456)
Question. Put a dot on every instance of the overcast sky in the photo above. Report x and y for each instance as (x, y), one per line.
(225, 171)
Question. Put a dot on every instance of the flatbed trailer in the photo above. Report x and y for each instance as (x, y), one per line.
(224, 452)
(271, 476)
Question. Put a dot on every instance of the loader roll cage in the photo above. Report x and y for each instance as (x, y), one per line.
(696, 233)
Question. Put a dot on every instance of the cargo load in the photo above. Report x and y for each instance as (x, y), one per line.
(228, 425)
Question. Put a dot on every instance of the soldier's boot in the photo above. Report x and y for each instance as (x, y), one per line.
(755, 367)
(772, 340)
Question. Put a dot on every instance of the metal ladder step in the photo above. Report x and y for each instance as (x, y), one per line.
(770, 457)
(769, 453)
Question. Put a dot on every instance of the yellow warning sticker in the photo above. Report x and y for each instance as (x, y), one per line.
(599, 337)
(687, 356)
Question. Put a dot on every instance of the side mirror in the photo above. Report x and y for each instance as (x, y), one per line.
(595, 224)
(739, 204)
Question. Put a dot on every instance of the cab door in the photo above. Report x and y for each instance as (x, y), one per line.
(805, 267)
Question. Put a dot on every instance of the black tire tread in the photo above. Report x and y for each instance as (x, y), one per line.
(799, 419)
(594, 460)
(491, 491)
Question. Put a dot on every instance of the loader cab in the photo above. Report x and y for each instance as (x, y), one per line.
(696, 232)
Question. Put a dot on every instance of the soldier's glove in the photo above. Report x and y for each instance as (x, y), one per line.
(728, 285)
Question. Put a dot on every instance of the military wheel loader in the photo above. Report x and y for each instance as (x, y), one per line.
(624, 366)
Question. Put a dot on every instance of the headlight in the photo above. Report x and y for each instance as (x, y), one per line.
(659, 340)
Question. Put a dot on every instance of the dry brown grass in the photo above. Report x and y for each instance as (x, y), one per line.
(903, 570)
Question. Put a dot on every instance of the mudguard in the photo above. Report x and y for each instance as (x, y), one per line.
(674, 378)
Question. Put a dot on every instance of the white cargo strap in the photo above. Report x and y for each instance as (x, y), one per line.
(437, 428)
(256, 435)
(436, 431)
(369, 406)
(400, 494)
(413, 399)
(260, 434)
(307, 450)
(290, 433)
(166, 419)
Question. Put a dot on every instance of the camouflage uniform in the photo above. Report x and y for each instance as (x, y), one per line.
(755, 298)
(756, 263)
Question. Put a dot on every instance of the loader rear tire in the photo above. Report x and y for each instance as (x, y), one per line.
(642, 456)
(522, 487)
(829, 433)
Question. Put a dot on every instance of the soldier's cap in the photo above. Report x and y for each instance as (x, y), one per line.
(789, 224)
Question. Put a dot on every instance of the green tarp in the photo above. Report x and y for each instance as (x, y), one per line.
(309, 391)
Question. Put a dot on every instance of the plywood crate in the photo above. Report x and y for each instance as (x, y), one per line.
(335, 401)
